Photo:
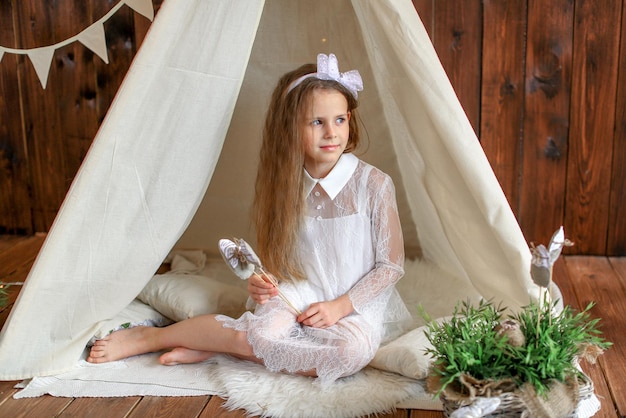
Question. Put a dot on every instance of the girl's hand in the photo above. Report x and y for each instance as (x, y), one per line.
(326, 314)
(261, 289)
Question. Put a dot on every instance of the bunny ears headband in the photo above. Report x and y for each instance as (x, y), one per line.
(328, 69)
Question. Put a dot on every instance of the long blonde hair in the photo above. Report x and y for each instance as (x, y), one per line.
(278, 208)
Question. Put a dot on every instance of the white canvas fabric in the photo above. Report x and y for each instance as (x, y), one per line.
(188, 119)
(139, 185)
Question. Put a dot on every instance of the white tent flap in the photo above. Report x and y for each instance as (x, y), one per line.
(139, 185)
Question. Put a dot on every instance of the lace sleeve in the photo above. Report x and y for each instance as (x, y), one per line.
(386, 239)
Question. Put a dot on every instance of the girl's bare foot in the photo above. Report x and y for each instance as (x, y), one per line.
(182, 355)
(122, 344)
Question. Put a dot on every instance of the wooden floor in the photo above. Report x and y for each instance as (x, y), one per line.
(581, 280)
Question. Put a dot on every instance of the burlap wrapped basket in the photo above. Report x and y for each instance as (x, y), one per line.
(562, 400)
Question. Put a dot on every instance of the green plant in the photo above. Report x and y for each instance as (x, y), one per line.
(469, 344)
(472, 342)
(4, 296)
(552, 347)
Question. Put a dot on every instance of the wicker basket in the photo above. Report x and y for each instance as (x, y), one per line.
(512, 406)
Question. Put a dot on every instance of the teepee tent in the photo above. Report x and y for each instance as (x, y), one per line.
(174, 162)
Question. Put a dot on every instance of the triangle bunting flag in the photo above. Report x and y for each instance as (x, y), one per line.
(143, 7)
(41, 59)
(94, 38)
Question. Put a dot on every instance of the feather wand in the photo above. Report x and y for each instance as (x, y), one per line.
(542, 264)
(244, 262)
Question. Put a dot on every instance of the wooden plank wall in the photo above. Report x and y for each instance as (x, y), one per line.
(45, 134)
(543, 83)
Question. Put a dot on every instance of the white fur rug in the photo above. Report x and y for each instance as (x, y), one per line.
(243, 384)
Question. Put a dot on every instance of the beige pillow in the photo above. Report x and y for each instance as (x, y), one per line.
(182, 296)
(406, 355)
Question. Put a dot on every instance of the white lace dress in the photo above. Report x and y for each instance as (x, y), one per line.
(351, 243)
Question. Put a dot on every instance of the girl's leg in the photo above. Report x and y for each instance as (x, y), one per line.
(199, 334)
(182, 355)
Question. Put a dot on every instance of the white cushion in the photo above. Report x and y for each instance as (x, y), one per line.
(182, 296)
(405, 355)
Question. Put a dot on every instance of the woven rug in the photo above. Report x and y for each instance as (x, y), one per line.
(243, 384)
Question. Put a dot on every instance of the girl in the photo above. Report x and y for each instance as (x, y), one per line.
(327, 229)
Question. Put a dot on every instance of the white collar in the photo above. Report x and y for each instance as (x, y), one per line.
(336, 179)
